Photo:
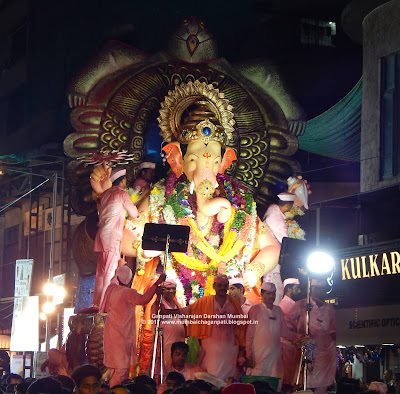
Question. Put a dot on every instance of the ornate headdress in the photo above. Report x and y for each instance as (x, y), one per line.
(210, 120)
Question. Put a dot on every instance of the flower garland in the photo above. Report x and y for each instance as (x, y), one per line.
(293, 227)
(171, 203)
(294, 230)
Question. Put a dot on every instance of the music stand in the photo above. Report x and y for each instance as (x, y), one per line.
(293, 255)
(167, 238)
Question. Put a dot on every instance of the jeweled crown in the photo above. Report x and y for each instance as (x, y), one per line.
(211, 119)
(201, 124)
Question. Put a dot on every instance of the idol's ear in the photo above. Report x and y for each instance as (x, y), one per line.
(227, 160)
(174, 157)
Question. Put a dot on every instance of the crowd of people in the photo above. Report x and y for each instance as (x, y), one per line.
(235, 336)
(87, 379)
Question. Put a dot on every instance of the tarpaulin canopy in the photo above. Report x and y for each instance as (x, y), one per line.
(336, 132)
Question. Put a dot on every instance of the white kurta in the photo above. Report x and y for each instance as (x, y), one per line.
(263, 344)
(322, 325)
(220, 351)
(290, 357)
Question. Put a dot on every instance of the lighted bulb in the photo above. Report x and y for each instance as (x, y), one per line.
(42, 316)
(49, 288)
(60, 292)
(320, 263)
(48, 308)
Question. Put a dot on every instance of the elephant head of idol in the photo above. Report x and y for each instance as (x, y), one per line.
(196, 123)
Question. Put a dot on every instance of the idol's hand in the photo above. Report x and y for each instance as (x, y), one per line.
(100, 179)
(249, 279)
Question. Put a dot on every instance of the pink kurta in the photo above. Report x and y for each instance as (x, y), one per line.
(114, 202)
(289, 351)
(286, 304)
(276, 221)
(119, 330)
(322, 325)
(220, 352)
(246, 306)
(173, 330)
(263, 344)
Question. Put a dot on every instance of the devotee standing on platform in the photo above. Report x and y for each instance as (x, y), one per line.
(236, 290)
(275, 219)
(173, 327)
(290, 354)
(263, 346)
(322, 331)
(114, 201)
(222, 344)
(119, 331)
(147, 173)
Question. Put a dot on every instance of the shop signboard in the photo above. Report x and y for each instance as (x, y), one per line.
(367, 275)
(40, 358)
(23, 277)
(25, 327)
(368, 325)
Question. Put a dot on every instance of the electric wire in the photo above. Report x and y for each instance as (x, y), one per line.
(4, 207)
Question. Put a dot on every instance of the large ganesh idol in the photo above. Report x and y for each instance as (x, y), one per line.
(115, 100)
(226, 234)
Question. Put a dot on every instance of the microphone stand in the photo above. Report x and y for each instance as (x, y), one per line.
(303, 358)
(158, 337)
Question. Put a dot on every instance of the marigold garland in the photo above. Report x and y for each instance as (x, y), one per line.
(172, 204)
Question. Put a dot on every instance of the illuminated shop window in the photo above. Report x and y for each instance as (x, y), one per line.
(315, 32)
(389, 116)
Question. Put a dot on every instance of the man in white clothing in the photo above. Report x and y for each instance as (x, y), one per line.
(323, 332)
(290, 354)
(173, 326)
(263, 346)
(275, 219)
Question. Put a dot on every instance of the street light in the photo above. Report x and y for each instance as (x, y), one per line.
(319, 264)
(55, 295)
(48, 308)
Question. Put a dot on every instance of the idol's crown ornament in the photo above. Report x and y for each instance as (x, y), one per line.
(208, 114)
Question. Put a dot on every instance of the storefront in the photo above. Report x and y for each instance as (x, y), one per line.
(366, 287)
